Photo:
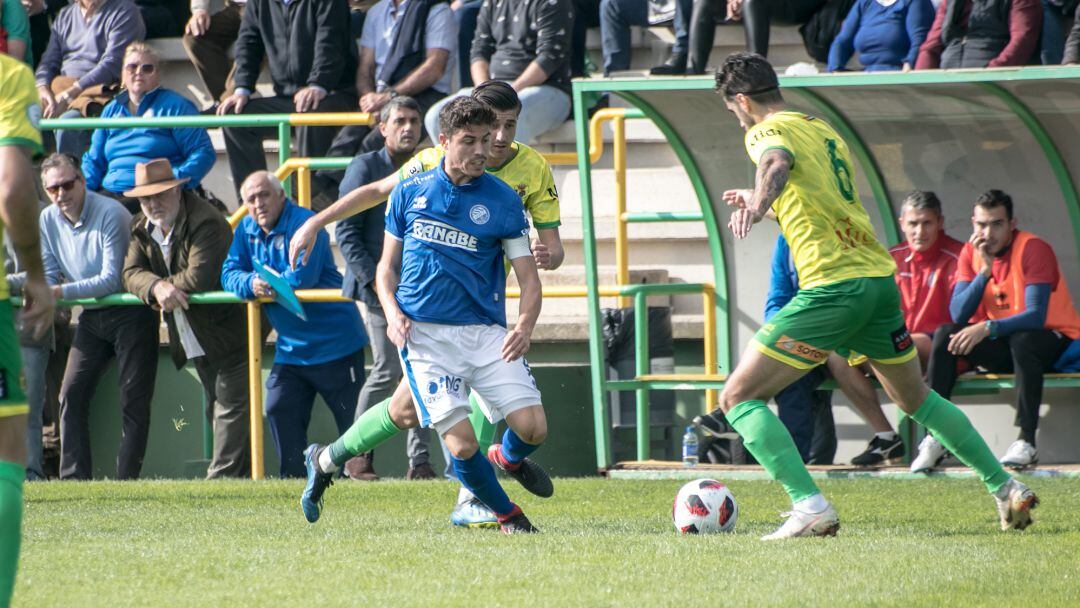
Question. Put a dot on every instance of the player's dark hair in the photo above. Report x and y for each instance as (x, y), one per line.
(401, 101)
(464, 112)
(749, 74)
(922, 200)
(995, 198)
(498, 95)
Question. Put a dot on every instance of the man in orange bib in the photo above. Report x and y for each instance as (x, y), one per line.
(1012, 313)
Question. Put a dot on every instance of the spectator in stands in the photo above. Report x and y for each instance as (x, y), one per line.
(360, 238)
(525, 43)
(207, 39)
(586, 14)
(16, 29)
(981, 34)
(616, 18)
(178, 244)
(887, 34)
(1012, 313)
(757, 17)
(84, 237)
(81, 67)
(1072, 43)
(323, 354)
(1057, 18)
(308, 49)
(42, 13)
(800, 405)
(925, 269)
(407, 48)
(109, 165)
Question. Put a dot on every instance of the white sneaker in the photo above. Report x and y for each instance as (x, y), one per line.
(798, 523)
(1015, 508)
(1020, 454)
(931, 454)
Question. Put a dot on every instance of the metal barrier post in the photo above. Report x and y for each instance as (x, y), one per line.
(284, 148)
(303, 187)
(622, 250)
(641, 368)
(708, 296)
(255, 394)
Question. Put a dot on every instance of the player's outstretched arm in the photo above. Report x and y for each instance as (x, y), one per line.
(548, 249)
(357, 201)
(520, 338)
(19, 212)
(387, 276)
(773, 171)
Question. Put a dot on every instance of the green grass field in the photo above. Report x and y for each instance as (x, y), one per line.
(929, 542)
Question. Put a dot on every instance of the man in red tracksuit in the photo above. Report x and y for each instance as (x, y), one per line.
(925, 268)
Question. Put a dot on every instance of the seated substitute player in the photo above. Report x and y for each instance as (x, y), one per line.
(442, 285)
(19, 138)
(1011, 312)
(523, 169)
(847, 300)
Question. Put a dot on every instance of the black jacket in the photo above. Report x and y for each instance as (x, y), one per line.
(306, 42)
(360, 237)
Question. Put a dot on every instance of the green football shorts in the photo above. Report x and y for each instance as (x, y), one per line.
(12, 399)
(855, 316)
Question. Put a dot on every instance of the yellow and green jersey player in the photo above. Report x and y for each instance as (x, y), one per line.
(847, 300)
(519, 166)
(19, 141)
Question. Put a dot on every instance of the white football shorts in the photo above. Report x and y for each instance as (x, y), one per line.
(442, 363)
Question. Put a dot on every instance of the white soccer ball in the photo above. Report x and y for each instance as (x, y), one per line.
(704, 506)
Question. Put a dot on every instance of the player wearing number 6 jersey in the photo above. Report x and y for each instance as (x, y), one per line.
(847, 301)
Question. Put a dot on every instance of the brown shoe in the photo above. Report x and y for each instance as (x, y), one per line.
(360, 468)
(420, 471)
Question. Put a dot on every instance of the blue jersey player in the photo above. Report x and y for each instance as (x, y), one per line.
(442, 286)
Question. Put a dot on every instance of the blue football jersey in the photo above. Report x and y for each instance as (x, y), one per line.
(452, 256)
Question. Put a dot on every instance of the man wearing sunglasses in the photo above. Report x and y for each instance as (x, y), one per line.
(84, 240)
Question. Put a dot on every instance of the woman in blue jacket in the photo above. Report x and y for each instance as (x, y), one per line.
(109, 164)
(886, 33)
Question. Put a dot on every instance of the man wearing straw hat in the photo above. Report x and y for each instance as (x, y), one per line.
(178, 243)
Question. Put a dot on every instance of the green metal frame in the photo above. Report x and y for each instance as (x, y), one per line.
(803, 87)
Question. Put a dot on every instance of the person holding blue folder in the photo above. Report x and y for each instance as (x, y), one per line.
(320, 354)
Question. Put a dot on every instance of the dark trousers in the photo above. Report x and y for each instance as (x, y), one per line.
(131, 334)
(290, 396)
(352, 140)
(758, 15)
(1028, 354)
(586, 15)
(226, 392)
(209, 53)
(465, 16)
(807, 414)
(244, 144)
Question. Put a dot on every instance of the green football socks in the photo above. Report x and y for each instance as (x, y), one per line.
(369, 430)
(11, 505)
(485, 431)
(953, 429)
(765, 437)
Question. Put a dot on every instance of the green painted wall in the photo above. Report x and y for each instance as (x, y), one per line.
(561, 370)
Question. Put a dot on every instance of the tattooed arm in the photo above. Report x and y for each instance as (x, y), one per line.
(772, 177)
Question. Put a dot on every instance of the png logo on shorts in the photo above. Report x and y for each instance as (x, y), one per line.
(442, 386)
(801, 349)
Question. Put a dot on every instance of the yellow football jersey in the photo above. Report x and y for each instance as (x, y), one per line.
(820, 215)
(19, 115)
(528, 173)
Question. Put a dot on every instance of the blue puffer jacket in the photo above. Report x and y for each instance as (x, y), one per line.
(110, 161)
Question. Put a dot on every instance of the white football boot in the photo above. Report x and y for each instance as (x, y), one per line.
(1015, 508)
(799, 523)
(1020, 455)
(930, 456)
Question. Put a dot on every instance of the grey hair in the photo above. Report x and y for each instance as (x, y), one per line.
(275, 183)
(58, 160)
(401, 101)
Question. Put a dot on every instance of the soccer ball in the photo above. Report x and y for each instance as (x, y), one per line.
(704, 506)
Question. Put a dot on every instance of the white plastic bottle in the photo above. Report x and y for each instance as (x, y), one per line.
(690, 448)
